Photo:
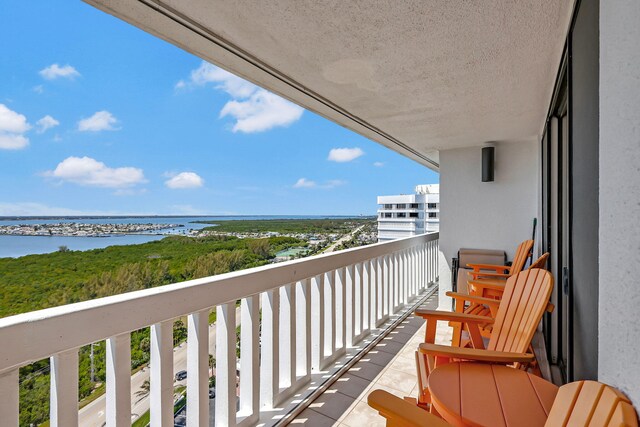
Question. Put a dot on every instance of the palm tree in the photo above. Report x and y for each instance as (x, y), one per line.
(144, 391)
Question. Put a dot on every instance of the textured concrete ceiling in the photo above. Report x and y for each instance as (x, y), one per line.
(417, 76)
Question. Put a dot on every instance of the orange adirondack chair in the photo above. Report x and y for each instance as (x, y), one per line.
(493, 287)
(482, 306)
(525, 299)
(504, 271)
(579, 403)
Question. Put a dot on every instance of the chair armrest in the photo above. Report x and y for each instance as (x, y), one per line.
(477, 355)
(487, 284)
(402, 413)
(485, 274)
(452, 316)
(497, 268)
(494, 303)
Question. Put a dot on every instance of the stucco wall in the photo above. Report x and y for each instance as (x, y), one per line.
(490, 215)
(619, 321)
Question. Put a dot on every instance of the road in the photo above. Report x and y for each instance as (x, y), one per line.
(93, 415)
(342, 239)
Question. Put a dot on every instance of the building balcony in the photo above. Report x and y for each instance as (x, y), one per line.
(302, 325)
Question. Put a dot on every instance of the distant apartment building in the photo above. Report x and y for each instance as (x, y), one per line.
(407, 215)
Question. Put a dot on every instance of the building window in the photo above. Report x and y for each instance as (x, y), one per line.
(388, 206)
(414, 206)
(433, 215)
(402, 215)
(387, 215)
(413, 215)
(432, 205)
(401, 206)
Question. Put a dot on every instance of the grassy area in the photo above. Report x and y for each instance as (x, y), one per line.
(288, 226)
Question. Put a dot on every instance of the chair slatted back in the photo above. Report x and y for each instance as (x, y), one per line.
(541, 262)
(520, 258)
(525, 299)
(590, 403)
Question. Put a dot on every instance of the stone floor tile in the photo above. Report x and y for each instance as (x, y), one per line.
(332, 404)
(398, 380)
(311, 418)
(351, 385)
(363, 415)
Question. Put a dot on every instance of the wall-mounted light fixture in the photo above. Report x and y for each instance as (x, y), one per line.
(488, 163)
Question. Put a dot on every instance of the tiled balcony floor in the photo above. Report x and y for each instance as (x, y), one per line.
(390, 366)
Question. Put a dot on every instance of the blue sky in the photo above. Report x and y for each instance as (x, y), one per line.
(98, 117)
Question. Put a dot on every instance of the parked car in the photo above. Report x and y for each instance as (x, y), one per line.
(181, 375)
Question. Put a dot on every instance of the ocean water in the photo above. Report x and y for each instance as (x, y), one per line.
(17, 246)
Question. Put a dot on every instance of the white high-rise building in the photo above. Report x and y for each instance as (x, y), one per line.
(407, 215)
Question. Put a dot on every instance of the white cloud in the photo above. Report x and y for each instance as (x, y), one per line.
(224, 80)
(101, 120)
(12, 128)
(304, 183)
(55, 71)
(185, 180)
(38, 89)
(378, 164)
(90, 172)
(254, 109)
(47, 122)
(333, 183)
(342, 155)
(261, 112)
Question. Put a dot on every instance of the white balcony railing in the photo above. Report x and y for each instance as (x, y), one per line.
(296, 318)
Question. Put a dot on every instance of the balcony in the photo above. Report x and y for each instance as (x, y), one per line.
(303, 323)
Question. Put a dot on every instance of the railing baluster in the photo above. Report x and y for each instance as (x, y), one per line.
(357, 302)
(64, 388)
(404, 279)
(422, 266)
(373, 294)
(414, 270)
(269, 353)
(387, 284)
(303, 330)
(198, 368)
(382, 293)
(429, 263)
(161, 374)
(225, 366)
(341, 308)
(250, 359)
(366, 279)
(329, 315)
(10, 392)
(317, 322)
(118, 405)
(350, 320)
(287, 335)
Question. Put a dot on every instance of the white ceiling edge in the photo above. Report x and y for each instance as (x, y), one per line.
(149, 16)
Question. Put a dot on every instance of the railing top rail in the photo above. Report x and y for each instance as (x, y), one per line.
(38, 334)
